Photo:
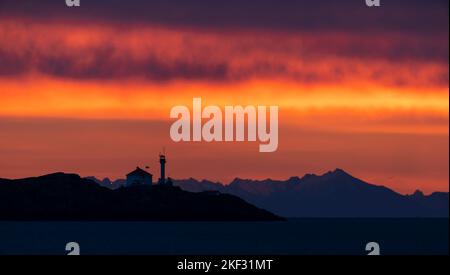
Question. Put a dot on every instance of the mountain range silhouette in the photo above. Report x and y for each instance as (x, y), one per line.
(333, 194)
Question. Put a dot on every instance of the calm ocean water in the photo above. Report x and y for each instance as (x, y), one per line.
(295, 236)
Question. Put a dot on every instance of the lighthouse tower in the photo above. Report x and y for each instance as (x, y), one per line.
(162, 162)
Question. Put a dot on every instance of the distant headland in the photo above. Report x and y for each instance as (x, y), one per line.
(68, 197)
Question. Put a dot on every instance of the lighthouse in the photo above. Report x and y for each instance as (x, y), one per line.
(162, 162)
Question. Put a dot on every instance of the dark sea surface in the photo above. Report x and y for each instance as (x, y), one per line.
(292, 237)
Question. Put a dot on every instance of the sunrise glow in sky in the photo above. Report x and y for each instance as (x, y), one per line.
(89, 90)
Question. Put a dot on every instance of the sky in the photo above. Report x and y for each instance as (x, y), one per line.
(89, 90)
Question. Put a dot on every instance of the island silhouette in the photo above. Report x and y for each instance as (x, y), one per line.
(68, 197)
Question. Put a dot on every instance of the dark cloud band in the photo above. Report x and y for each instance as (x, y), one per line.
(420, 16)
(401, 35)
